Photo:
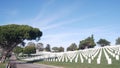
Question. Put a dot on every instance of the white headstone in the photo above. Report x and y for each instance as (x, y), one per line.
(117, 57)
(89, 60)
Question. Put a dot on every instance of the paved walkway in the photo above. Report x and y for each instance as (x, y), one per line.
(19, 64)
(34, 66)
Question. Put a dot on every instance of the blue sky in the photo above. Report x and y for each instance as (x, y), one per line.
(65, 21)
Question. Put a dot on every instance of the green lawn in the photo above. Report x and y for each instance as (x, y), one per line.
(81, 65)
(115, 63)
(2, 65)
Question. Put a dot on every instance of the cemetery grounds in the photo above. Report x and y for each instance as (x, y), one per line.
(106, 54)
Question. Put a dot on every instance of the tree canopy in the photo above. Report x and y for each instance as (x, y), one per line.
(29, 49)
(118, 41)
(40, 46)
(30, 43)
(103, 42)
(47, 48)
(14, 34)
(87, 43)
(55, 49)
(18, 50)
(72, 47)
(11, 35)
(61, 49)
(58, 49)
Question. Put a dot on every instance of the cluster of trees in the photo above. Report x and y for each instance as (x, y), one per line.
(117, 41)
(11, 35)
(86, 43)
(103, 42)
(40, 47)
(31, 48)
(72, 47)
(58, 49)
(48, 48)
(90, 43)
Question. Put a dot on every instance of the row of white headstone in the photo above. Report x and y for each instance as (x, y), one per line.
(82, 55)
(87, 54)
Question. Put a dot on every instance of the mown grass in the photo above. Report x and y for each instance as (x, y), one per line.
(2, 65)
(81, 65)
(103, 64)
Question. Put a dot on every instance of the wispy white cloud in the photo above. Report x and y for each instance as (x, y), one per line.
(43, 10)
(65, 22)
(42, 20)
(58, 39)
(65, 38)
(58, 19)
(49, 20)
(30, 21)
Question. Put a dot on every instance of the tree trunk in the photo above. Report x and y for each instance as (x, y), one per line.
(3, 56)
(6, 52)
